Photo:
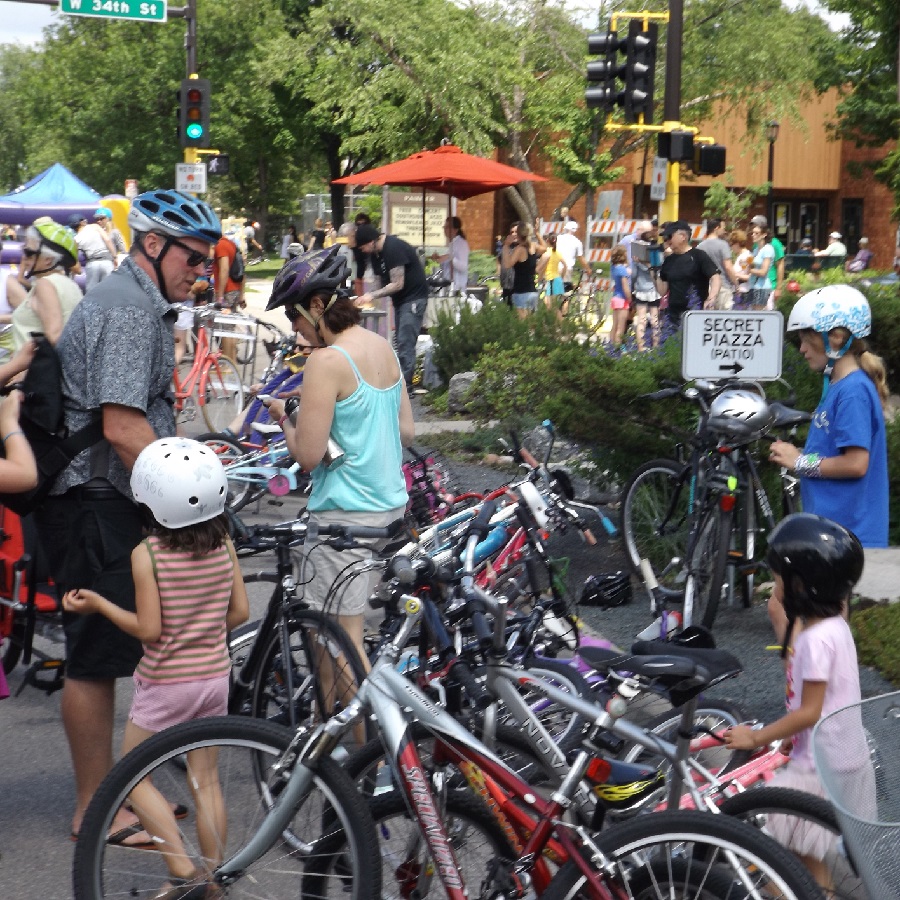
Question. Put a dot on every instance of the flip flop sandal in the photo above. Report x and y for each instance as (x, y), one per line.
(120, 838)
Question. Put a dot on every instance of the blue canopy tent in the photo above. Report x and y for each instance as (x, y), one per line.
(56, 192)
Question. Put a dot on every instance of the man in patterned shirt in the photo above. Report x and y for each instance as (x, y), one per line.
(117, 355)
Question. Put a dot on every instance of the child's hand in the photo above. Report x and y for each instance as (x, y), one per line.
(80, 601)
(740, 737)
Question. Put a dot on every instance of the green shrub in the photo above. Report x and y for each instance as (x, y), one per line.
(877, 634)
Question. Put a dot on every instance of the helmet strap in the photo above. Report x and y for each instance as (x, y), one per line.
(832, 357)
(33, 271)
(157, 263)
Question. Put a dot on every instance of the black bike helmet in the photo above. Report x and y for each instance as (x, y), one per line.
(819, 562)
(315, 272)
(175, 214)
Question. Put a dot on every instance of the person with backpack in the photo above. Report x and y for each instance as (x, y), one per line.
(117, 356)
(228, 277)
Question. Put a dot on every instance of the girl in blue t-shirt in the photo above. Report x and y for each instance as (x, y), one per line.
(621, 295)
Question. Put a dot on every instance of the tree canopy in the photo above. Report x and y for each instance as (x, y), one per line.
(305, 92)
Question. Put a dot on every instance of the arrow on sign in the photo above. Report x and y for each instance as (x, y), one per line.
(734, 368)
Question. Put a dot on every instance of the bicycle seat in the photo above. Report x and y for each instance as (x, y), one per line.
(787, 417)
(709, 667)
(734, 429)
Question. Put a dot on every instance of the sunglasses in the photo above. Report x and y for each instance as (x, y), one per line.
(194, 257)
(27, 252)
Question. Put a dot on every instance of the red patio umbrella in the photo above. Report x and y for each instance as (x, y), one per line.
(447, 170)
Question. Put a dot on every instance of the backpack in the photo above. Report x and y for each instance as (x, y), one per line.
(236, 270)
(42, 420)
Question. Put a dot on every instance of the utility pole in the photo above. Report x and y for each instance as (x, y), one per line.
(668, 208)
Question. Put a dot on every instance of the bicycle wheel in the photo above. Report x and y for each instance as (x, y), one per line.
(326, 672)
(241, 489)
(646, 501)
(713, 715)
(407, 869)
(707, 576)
(228, 799)
(687, 855)
(221, 393)
(788, 815)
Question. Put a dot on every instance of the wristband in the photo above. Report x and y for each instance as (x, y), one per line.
(8, 436)
(807, 465)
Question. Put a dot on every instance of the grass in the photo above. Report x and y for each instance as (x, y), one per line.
(876, 631)
(268, 268)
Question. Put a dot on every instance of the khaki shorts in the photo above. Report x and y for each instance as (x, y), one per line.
(725, 298)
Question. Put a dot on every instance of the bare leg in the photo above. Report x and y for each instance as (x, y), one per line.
(654, 323)
(640, 325)
(88, 708)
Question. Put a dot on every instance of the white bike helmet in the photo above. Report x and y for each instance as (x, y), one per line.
(743, 407)
(834, 306)
(826, 308)
(181, 481)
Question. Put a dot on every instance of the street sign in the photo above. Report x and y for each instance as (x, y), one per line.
(218, 165)
(732, 344)
(141, 10)
(190, 178)
(658, 181)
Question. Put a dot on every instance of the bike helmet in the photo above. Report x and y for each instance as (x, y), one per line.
(819, 562)
(739, 411)
(175, 214)
(181, 481)
(58, 238)
(314, 272)
(834, 306)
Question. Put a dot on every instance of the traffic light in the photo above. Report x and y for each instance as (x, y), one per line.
(636, 71)
(604, 72)
(709, 159)
(676, 146)
(193, 113)
(639, 71)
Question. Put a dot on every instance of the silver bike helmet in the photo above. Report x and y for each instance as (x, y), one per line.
(175, 214)
(740, 413)
(181, 481)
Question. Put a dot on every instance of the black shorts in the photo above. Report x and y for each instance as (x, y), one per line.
(88, 542)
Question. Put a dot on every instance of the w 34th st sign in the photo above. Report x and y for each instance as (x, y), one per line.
(141, 10)
(732, 344)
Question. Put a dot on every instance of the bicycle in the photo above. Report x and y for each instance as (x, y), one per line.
(586, 306)
(212, 382)
(668, 504)
(650, 854)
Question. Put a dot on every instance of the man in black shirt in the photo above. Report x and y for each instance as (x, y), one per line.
(403, 280)
(689, 275)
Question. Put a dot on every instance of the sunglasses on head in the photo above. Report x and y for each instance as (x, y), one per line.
(194, 257)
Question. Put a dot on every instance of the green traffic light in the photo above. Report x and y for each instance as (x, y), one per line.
(194, 131)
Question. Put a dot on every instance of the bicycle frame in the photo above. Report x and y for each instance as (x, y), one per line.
(395, 702)
(205, 358)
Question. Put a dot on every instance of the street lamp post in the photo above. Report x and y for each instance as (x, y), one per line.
(772, 136)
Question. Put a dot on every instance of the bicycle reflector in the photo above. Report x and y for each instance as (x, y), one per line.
(728, 500)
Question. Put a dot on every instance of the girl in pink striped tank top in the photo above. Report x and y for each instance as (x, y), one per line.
(189, 593)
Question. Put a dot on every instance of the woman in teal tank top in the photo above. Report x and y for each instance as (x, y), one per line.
(353, 394)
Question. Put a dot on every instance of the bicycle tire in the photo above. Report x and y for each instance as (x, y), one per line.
(241, 491)
(711, 713)
(309, 629)
(799, 810)
(645, 501)
(13, 643)
(245, 750)
(476, 837)
(713, 546)
(245, 351)
(221, 393)
(690, 855)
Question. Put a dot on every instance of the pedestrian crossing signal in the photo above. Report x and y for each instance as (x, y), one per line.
(193, 112)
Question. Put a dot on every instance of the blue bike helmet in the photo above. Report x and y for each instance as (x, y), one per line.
(175, 214)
